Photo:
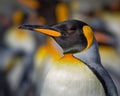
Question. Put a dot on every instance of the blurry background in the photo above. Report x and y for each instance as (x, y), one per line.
(18, 47)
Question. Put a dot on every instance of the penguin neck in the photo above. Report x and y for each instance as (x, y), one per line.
(90, 55)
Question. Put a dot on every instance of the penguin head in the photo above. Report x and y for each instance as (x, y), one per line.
(72, 35)
(75, 35)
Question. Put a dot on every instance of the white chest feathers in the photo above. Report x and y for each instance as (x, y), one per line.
(72, 80)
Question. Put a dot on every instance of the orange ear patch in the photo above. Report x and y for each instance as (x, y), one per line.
(88, 34)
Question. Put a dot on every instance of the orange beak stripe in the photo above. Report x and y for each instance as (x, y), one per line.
(49, 32)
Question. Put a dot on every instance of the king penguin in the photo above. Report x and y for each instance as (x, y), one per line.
(79, 71)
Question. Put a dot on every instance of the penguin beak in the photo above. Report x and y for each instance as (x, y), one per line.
(42, 29)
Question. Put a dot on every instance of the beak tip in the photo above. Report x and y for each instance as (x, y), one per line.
(27, 27)
(21, 27)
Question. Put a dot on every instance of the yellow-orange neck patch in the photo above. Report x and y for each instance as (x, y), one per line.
(88, 34)
(70, 59)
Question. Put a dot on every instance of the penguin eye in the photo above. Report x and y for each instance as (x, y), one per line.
(71, 30)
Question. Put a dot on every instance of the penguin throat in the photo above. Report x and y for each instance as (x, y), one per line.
(75, 49)
(71, 51)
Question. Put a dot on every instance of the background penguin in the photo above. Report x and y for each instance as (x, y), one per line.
(18, 59)
(4, 86)
(73, 75)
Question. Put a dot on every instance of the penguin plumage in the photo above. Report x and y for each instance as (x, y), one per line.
(79, 72)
